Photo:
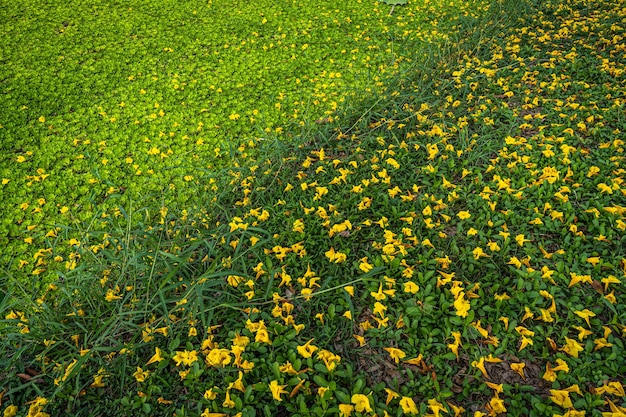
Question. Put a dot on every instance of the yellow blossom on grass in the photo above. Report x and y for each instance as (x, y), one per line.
(464, 215)
(390, 395)
(379, 309)
(585, 314)
(298, 226)
(614, 388)
(411, 287)
(396, 354)
(330, 359)
(561, 398)
(361, 403)
(436, 407)
(480, 364)
(572, 347)
(10, 411)
(141, 375)
(334, 256)
(345, 410)
(277, 390)
(157, 357)
(454, 347)
(185, 357)
(228, 403)
(307, 350)
(378, 295)
(210, 394)
(479, 253)
(365, 266)
(579, 278)
(262, 336)
(461, 305)
(218, 357)
(207, 413)
(408, 405)
(496, 406)
(360, 339)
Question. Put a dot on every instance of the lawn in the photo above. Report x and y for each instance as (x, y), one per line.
(313, 209)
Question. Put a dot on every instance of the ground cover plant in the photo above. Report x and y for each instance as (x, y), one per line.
(125, 98)
(453, 245)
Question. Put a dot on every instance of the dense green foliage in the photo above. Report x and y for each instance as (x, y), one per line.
(101, 99)
(448, 240)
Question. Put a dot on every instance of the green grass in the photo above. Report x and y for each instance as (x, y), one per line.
(449, 243)
(103, 99)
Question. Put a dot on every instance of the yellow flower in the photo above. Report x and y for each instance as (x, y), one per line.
(379, 309)
(480, 364)
(228, 403)
(479, 253)
(238, 383)
(436, 407)
(464, 215)
(262, 336)
(210, 394)
(306, 350)
(408, 405)
(218, 357)
(110, 295)
(396, 354)
(345, 410)
(461, 305)
(411, 287)
(361, 403)
(365, 266)
(157, 357)
(330, 359)
(10, 411)
(454, 347)
(185, 357)
(379, 295)
(360, 339)
(390, 395)
(585, 314)
(521, 239)
(298, 226)
(496, 406)
(207, 413)
(141, 375)
(97, 379)
(519, 368)
(572, 347)
(277, 390)
(561, 398)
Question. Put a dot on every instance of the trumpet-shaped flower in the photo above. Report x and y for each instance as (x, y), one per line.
(361, 403)
(277, 390)
(408, 406)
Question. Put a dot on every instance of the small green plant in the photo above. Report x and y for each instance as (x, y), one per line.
(449, 243)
